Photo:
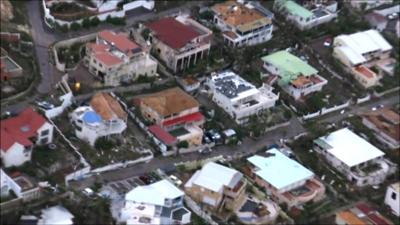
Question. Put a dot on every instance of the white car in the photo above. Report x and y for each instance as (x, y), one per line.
(88, 192)
(176, 180)
(373, 109)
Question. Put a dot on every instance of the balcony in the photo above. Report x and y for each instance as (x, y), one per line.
(254, 211)
(236, 190)
(308, 192)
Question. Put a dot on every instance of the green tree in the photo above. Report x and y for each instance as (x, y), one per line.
(183, 144)
(94, 22)
(86, 23)
(75, 26)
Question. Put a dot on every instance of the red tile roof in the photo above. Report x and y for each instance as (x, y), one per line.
(162, 135)
(97, 47)
(172, 32)
(377, 220)
(365, 72)
(20, 128)
(120, 41)
(197, 116)
(107, 58)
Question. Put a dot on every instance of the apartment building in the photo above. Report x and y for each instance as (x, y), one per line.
(386, 125)
(180, 42)
(296, 77)
(294, 184)
(19, 134)
(361, 214)
(174, 115)
(113, 58)
(103, 117)
(308, 15)
(239, 98)
(157, 203)
(360, 162)
(361, 51)
(242, 24)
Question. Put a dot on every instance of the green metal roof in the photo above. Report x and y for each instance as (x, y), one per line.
(296, 9)
(290, 65)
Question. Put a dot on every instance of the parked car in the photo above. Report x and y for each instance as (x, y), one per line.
(88, 192)
(176, 181)
(44, 105)
(215, 136)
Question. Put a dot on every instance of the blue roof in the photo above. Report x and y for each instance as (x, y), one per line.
(279, 170)
(91, 117)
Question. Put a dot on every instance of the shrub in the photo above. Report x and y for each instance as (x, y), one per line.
(103, 143)
(64, 28)
(115, 20)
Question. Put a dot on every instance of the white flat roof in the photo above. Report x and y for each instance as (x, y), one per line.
(365, 41)
(349, 148)
(155, 193)
(279, 170)
(56, 215)
(353, 56)
(214, 177)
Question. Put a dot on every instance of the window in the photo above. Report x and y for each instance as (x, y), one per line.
(44, 133)
(44, 140)
(394, 196)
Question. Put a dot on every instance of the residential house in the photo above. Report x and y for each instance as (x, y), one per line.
(21, 185)
(361, 214)
(386, 125)
(286, 180)
(157, 203)
(218, 188)
(103, 117)
(368, 4)
(242, 24)
(308, 15)
(19, 134)
(359, 161)
(385, 20)
(239, 98)
(56, 215)
(114, 58)
(174, 115)
(180, 42)
(392, 198)
(296, 77)
(9, 69)
(361, 51)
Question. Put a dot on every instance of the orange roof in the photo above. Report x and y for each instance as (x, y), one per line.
(190, 80)
(365, 72)
(230, 34)
(236, 14)
(386, 121)
(107, 106)
(107, 58)
(350, 218)
(169, 101)
(120, 41)
(97, 47)
(301, 81)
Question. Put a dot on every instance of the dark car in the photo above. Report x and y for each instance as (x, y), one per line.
(146, 179)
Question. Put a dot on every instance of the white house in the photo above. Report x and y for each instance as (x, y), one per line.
(285, 179)
(22, 186)
(242, 24)
(307, 16)
(105, 116)
(368, 4)
(361, 51)
(19, 134)
(362, 163)
(239, 98)
(392, 198)
(157, 203)
(56, 215)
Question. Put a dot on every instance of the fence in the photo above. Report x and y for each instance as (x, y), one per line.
(6, 207)
(66, 102)
(386, 92)
(277, 126)
(196, 163)
(362, 100)
(50, 19)
(67, 43)
(120, 164)
(324, 111)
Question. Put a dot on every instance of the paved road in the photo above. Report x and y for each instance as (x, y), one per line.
(248, 146)
(43, 37)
